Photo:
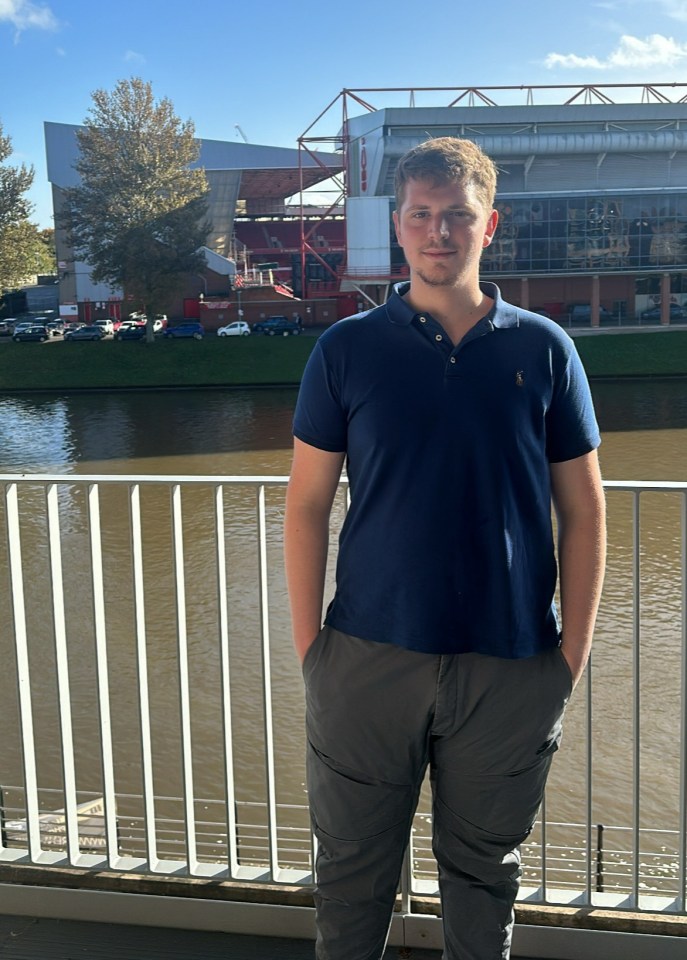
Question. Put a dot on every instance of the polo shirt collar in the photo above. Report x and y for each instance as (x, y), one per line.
(501, 316)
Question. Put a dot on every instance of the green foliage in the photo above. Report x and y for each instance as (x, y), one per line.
(14, 182)
(47, 255)
(138, 217)
(17, 235)
(23, 254)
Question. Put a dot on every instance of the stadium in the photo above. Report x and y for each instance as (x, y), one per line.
(592, 200)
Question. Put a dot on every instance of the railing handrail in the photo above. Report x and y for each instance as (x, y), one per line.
(641, 486)
(249, 480)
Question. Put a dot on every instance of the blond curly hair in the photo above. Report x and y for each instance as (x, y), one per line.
(444, 160)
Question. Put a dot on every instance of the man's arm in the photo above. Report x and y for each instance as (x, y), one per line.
(314, 478)
(580, 509)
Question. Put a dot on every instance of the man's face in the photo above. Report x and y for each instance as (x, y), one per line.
(443, 230)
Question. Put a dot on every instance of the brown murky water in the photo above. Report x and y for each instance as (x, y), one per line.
(214, 433)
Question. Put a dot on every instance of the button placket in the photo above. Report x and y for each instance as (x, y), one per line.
(434, 332)
(452, 367)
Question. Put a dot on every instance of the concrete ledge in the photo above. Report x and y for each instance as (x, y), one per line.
(110, 881)
(282, 895)
(264, 922)
(583, 918)
(593, 918)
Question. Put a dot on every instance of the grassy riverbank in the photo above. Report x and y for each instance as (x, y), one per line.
(213, 362)
(645, 353)
(262, 361)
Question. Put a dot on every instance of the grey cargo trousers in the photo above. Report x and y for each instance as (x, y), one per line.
(377, 717)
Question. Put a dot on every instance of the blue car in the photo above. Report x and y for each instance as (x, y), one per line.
(653, 314)
(190, 329)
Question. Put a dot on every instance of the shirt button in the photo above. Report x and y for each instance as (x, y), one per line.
(422, 319)
(453, 359)
(438, 336)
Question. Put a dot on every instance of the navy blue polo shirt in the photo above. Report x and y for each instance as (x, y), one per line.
(447, 546)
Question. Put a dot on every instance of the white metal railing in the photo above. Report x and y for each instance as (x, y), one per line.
(151, 710)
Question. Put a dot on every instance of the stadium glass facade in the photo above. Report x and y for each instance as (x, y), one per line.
(592, 193)
(641, 231)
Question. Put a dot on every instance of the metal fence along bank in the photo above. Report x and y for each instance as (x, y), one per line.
(152, 723)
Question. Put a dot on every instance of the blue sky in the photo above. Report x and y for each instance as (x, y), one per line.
(272, 67)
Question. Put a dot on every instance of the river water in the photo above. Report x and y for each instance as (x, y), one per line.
(643, 423)
(247, 432)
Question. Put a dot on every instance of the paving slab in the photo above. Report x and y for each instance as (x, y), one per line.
(30, 938)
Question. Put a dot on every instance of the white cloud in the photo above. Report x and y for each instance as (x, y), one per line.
(631, 52)
(24, 14)
(132, 57)
(571, 61)
(674, 9)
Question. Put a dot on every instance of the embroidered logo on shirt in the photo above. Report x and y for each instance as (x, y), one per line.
(520, 378)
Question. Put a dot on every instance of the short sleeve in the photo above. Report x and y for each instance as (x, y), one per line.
(571, 427)
(320, 419)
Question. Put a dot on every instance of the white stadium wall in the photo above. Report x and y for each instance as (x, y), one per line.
(367, 225)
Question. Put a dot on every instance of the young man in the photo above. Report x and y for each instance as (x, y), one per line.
(461, 418)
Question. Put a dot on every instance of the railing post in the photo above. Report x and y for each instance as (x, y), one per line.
(682, 856)
(406, 879)
(636, 693)
(3, 832)
(599, 887)
(544, 866)
(267, 685)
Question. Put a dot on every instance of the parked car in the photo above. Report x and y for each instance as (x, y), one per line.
(23, 325)
(131, 331)
(34, 331)
(278, 326)
(6, 329)
(581, 314)
(653, 314)
(159, 320)
(189, 328)
(85, 333)
(237, 329)
(71, 326)
(107, 326)
(55, 328)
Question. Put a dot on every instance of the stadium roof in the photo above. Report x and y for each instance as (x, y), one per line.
(265, 171)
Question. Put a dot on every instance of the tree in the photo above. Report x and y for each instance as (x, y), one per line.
(23, 254)
(16, 251)
(47, 254)
(139, 216)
